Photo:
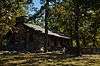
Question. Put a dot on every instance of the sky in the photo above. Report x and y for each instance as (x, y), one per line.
(36, 4)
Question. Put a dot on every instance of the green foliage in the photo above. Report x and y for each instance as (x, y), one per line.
(9, 10)
(62, 18)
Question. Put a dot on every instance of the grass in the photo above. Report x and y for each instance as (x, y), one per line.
(38, 59)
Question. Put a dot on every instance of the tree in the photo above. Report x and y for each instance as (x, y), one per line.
(77, 18)
(46, 24)
(9, 10)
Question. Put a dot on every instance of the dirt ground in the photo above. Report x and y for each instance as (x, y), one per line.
(47, 59)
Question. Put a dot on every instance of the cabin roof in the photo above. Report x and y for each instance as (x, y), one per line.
(38, 28)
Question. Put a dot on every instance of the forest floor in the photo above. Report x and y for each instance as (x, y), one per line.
(47, 59)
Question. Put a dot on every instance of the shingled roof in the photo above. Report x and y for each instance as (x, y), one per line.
(38, 28)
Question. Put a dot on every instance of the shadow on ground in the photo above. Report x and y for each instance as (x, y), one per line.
(47, 59)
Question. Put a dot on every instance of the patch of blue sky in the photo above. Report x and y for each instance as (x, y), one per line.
(35, 4)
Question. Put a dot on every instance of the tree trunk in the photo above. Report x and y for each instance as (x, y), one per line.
(46, 25)
(1, 39)
(77, 13)
(94, 34)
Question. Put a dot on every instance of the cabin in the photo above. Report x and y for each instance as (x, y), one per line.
(31, 37)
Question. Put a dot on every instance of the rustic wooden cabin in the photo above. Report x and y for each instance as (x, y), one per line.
(30, 37)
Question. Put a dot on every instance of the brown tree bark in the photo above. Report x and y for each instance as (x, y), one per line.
(46, 24)
(77, 15)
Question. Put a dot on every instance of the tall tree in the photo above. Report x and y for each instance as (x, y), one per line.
(77, 17)
(46, 23)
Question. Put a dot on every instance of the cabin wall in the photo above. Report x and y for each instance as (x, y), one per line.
(35, 40)
(24, 38)
(57, 43)
(17, 38)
